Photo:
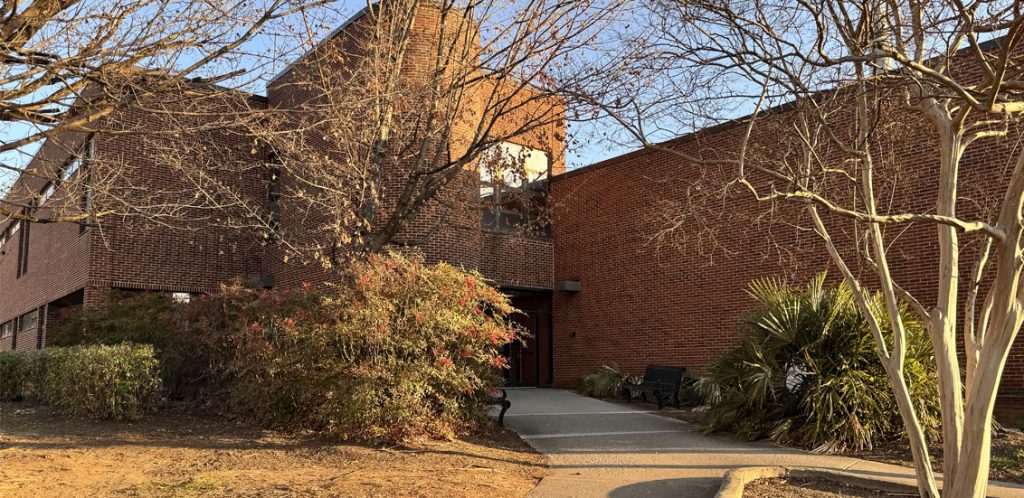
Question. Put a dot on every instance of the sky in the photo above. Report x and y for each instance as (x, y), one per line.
(269, 55)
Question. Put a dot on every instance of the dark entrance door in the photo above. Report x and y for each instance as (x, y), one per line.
(530, 359)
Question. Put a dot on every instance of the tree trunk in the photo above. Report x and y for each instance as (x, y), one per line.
(918, 443)
(942, 326)
(972, 477)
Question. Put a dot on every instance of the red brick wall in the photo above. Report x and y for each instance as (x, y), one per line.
(448, 228)
(58, 258)
(193, 250)
(644, 302)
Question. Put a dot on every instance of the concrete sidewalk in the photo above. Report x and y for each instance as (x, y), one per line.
(597, 448)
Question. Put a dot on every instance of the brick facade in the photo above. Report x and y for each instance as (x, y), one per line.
(195, 251)
(639, 302)
(678, 300)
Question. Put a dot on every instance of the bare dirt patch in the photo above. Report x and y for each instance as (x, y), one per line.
(1007, 456)
(178, 453)
(808, 488)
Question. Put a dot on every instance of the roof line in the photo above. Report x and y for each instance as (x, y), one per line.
(984, 46)
(323, 41)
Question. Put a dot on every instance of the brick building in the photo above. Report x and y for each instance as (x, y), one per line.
(595, 288)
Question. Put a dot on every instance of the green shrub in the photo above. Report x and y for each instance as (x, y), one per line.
(806, 372)
(606, 382)
(119, 382)
(16, 374)
(401, 350)
(140, 318)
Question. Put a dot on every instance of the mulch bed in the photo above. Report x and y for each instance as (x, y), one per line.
(1007, 456)
(808, 488)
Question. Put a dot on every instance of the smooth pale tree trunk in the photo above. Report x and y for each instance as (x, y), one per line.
(997, 331)
(972, 478)
(926, 486)
(942, 325)
(893, 365)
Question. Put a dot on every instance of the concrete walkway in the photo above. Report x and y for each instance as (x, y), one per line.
(597, 448)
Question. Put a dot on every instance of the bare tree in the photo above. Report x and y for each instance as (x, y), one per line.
(69, 65)
(374, 137)
(835, 90)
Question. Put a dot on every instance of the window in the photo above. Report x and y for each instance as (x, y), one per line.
(45, 194)
(6, 329)
(273, 200)
(86, 179)
(8, 234)
(22, 264)
(29, 320)
(513, 188)
(70, 169)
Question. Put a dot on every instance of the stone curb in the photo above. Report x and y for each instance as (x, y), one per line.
(735, 480)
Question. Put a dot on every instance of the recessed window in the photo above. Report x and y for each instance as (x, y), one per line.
(29, 320)
(70, 169)
(85, 181)
(46, 193)
(513, 187)
(7, 329)
(22, 263)
(8, 234)
(273, 200)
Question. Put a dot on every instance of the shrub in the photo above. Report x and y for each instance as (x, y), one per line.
(120, 382)
(606, 382)
(806, 372)
(141, 318)
(401, 350)
(16, 374)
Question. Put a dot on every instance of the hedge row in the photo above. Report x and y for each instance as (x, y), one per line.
(120, 382)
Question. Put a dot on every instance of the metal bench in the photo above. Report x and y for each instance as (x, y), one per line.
(501, 401)
(661, 381)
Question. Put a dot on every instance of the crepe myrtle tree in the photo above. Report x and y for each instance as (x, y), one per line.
(69, 65)
(832, 87)
(395, 115)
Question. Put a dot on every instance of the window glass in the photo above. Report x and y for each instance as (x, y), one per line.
(513, 187)
(29, 320)
(512, 165)
(6, 329)
(70, 169)
(8, 234)
(45, 194)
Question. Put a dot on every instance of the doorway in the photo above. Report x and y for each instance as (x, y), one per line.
(530, 359)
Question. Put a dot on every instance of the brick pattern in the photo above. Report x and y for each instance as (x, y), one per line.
(196, 251)
(447, 228)
(59, 253)
(646, 302)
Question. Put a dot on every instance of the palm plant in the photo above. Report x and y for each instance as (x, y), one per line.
(606, 382)
(806, 372)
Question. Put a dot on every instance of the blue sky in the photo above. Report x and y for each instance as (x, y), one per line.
(270, 54)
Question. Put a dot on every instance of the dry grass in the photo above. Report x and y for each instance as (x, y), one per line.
(177, 453)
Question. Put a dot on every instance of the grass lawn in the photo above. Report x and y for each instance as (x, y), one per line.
(177, 453)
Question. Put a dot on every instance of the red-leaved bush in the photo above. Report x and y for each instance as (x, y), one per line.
(403, 350)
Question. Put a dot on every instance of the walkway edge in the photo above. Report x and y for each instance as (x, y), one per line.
(736, 480)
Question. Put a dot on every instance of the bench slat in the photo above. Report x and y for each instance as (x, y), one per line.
(661, 381)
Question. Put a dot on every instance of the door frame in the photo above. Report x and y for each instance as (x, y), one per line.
(511, 291)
